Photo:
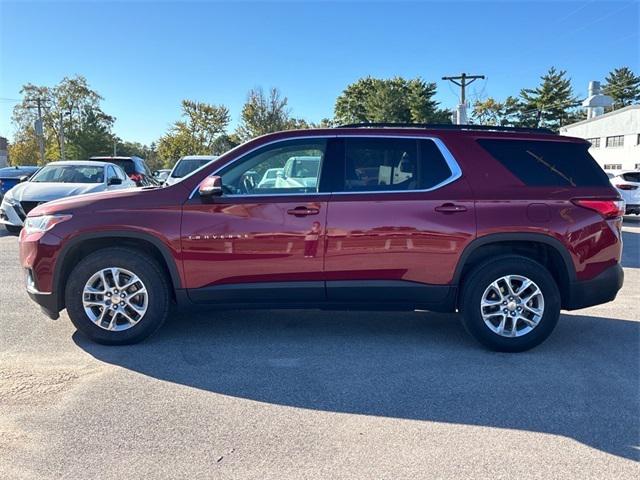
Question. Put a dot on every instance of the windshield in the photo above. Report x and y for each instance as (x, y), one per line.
(70, 174)
(187, 165)
(126, 165)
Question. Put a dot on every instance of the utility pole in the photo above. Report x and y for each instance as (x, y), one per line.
(39, 127)
(464, 81)
(61, 137)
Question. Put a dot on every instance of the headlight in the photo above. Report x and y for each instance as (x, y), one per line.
(43, 223)
(8, 198)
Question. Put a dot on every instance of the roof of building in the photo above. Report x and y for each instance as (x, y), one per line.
(600, 117)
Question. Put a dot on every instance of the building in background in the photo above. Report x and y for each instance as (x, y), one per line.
(4, 155)
(614, 136)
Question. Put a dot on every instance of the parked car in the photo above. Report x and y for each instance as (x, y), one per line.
(505, 225)
(628, 185)
(59, 180)
(187, 165)
(135, 167)
(270, 177)
(161, 175)
(11, 176)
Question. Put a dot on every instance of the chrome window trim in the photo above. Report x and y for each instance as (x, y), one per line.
(454, 167)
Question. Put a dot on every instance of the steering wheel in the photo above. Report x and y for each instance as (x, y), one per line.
(248, 184)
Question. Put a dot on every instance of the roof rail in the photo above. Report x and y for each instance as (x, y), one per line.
(444, 126)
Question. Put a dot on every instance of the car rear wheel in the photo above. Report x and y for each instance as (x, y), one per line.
(117, 296)
(510, 303)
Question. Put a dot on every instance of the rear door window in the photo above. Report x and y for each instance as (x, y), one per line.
(393, 164)
(539, 163)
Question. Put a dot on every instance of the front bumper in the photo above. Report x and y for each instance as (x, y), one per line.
(601, 289)
(48, 303)
(10, 215)
(38, 255)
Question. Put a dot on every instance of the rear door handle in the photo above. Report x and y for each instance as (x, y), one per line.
(303, 211)
(451, 208)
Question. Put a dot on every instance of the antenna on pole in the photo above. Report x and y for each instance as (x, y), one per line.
(39, 125)
(464, 81)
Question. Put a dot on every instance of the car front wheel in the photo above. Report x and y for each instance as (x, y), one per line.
(510, 303)
(117, 296)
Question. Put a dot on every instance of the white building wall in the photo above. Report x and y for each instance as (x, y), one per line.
(625, 122)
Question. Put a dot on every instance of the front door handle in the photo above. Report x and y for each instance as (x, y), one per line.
(303, 211)
(450, 208)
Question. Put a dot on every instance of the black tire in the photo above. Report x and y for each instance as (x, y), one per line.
(13, 229)
(484, 275)
(148, 271)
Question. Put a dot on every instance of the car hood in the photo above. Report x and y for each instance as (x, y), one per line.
(93, 201)
(45, 192)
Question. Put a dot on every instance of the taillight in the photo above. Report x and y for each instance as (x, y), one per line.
(606, 208)
(626, 187)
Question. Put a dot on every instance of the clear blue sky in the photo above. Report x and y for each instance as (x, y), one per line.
(145, 57)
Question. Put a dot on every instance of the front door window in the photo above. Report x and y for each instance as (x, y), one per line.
(291, 167)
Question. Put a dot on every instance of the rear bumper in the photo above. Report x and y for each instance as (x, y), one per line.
(632, 208)
(601, 289)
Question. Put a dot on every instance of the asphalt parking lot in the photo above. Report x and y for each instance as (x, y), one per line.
(307, 394)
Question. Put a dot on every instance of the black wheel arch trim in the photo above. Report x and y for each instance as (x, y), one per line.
(515, 237)
(128, 234)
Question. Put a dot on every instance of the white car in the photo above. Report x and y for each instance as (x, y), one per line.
(186, 166)
(628, 185)
(269, 178)
(59, 180)
(301, 170)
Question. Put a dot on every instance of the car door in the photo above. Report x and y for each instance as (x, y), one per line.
(397, 222)
(110, 173)
(260, 243)
(126, 181)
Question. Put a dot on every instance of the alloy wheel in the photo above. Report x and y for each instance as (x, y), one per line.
(512, 306)
(115, 299)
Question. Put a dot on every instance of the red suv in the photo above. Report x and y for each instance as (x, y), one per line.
(505, 225)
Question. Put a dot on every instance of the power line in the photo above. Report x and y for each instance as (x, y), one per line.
(463, 81)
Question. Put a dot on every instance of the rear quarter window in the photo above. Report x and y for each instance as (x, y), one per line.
(547, 163)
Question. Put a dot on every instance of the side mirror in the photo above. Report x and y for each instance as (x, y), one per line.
(23, 178)
(114, 181)
(211, 187)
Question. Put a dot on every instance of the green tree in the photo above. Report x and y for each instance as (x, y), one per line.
(70, 106)
(552, 104)
(389, 100)
(24, 148)
(264, 113)
(493, 112)
(197, 134)
(623, 86)
(487, 112)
